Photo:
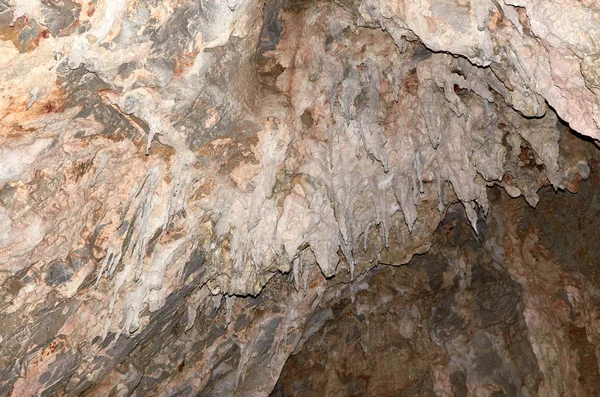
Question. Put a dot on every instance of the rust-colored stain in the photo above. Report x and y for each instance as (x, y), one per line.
(184, 62)
(21, 25)
(33, 44)
(11, 33)
(91, 9)
(52, 103)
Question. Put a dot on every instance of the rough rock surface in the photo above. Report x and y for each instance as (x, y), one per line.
(514, 313)
(182, 181)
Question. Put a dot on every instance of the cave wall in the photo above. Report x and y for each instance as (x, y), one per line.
(185, 185)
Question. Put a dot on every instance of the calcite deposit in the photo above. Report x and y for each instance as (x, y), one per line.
(287, 197)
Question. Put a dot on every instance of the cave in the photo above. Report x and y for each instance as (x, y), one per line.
(299, 198)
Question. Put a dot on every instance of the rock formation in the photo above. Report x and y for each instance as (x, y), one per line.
(287, 197)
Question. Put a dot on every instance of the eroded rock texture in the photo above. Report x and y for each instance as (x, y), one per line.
(188, 190)
(510, 314)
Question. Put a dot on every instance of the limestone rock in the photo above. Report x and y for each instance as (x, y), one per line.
(159, 157)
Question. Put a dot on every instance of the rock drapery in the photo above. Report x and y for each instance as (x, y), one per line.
(164, 163)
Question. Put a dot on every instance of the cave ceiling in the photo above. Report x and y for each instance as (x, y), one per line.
(168, 167)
